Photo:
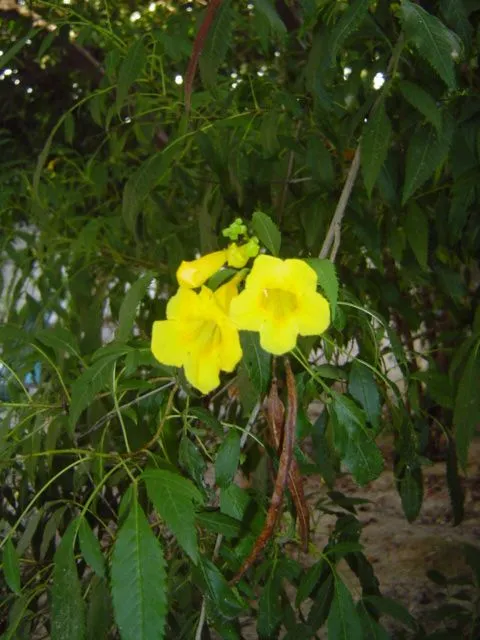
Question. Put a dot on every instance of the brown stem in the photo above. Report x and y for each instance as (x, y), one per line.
(197, 50)
(283, 470)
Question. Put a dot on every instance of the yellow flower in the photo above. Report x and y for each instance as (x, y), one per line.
(280, 300)
(199, 335)
(196, 272)
(238, 256)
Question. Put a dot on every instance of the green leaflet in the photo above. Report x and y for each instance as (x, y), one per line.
(175, 499)
(269, 609)
(138, 579)
(68, 609)
(343, 620)
(327, 279)
(227, 459)
(256, 361)
(416, 226)
(348, 23)
(267, 232)
(433, 40)
(11, 566)
(467, 405)
(217, 43)
(128, 308)
(423, 102)
(375, 145)
(362, 386)
(130, 69)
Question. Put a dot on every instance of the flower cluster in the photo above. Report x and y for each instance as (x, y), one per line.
(201, 333)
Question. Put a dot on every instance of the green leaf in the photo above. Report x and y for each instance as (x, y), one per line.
(88, 384)
(310, 580)
(324, 456)
(226, 462)
(434, 42)
(128, 308)
(139, 582)
(99, 614)
(11, 567)
(456, 16)
(393, 609)
(17, 47)
(130, 69)
(218, 523)
(207, 417)
(175, 497)
(327, 279)
(217, 590)
(371, 629)
(467, 406)
(90, 548)
(375, 144)
(150, 173)
(410, 487)
(192, 460)
(216, 45)
(268, 134)
(234, 501)
(267, 9)
(343, 620)
(348, 24)
(269, 610)
(354, 440)
(267, 232)
(454, 482)
(322, 603)
(256, 361)
(425, 153)
(59, 339)
(319, 161)
(362, 387)
(68, 609)
(416, 226)
(422, 102)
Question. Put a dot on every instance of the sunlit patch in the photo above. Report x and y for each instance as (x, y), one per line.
(378, 81)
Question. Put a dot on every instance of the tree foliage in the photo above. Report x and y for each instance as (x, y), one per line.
(343, 133)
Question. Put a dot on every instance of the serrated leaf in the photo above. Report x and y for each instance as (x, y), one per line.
(87, 385)
(324, 456)
(425, 153)
(150, 173)
(130, 69)
(322, 603)
(217, 589)
(268, 134)
(192, 460)
(99, 613)
(375, 144)
(269, 610)
(327, 279)
(227, 459)
(319, 161)
(138, 580)
(309, 581)
(175, 498)
(467, 406)
(416, 226)
(90, 548)
(267, 9)
(410, 488)
(267, 232)
(433, 40)
(217, 43)
(60, 340)
(128, 308)
(68, 609)
(354, 440)
(11, 567)
(362, 387)
(422, 102)
(371, 629)
(456, 16)
(393, 609)
(218, 523)
(343, 621)
(348, 24)
(256, 361)
(234, 501)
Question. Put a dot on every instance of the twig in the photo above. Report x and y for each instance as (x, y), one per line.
(282, 475)
(250, 423)
(334, 231)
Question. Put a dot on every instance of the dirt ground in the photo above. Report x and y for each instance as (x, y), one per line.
(401, 553)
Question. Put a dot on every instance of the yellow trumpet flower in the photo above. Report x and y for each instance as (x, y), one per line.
(280, 300)
(199, 335)
(194, 273)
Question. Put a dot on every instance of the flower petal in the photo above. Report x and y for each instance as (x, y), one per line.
(168, 342)
(245, 310)
(313, 314)
(183, 304)
(194, 273)
(202, 371)
(230, 350)
(279, 338)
